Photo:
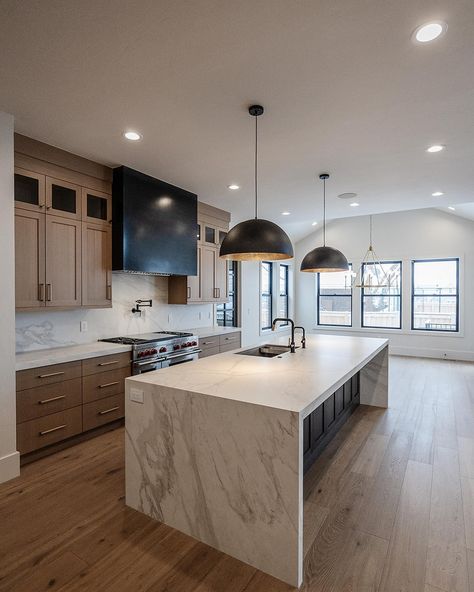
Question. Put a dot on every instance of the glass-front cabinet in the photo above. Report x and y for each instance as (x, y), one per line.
(63, 198)
(29, 190)
(96, 206)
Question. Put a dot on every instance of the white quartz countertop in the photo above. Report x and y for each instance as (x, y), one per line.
(292, 382)
(58, 355)
(211, 331)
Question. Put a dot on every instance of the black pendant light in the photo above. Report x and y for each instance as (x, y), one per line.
(256, 239)
(323, 259)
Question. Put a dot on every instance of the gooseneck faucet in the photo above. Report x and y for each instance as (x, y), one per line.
(282, 320)
(303, 339)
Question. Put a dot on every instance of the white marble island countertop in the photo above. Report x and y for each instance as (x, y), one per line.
(70, 353)
(291, 382)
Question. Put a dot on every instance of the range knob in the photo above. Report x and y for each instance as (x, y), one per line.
(194, 343)
(175, 347)
(154, 351)
(162, 350)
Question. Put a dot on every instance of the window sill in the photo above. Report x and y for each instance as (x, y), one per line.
(364, 330)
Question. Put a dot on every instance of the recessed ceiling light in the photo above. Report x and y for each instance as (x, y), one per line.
(435, 148)
(233, 187)
(347, 195)
(437, 194)
(314, 224)
(429, 31)
(285, 213)
(451, 208)
(354, 204)
(132, 136)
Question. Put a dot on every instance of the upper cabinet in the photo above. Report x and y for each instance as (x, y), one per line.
(29, 190)
(210, 283)
(62, 229)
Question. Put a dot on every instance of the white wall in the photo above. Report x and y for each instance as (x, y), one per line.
(402, 236)
(40, 330)
(9, 457)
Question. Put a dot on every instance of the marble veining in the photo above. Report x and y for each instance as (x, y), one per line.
(45, 329)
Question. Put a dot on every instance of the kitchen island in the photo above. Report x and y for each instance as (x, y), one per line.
(216, 448)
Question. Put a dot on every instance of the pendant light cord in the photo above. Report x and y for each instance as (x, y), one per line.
(370, 232)
(256, 167)
(324, 212)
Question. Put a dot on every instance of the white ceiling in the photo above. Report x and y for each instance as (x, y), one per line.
(344, 87)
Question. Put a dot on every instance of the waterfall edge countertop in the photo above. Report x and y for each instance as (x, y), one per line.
(291, 382)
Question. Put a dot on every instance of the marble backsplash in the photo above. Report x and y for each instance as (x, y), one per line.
(46, 329)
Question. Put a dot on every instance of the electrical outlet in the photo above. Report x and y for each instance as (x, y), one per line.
(209, 315)
(83, 326)
(200, 316)
(169, 318)
(136, 395)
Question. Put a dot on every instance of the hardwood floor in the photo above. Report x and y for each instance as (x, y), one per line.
(389, 507)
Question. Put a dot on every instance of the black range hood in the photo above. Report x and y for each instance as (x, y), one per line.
(154, 226)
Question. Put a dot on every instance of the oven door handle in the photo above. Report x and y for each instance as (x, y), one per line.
(183, 354)
(147, 362)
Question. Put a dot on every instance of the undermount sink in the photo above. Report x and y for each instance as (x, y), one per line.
(266, 350)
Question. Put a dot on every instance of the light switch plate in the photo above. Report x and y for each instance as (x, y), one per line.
(136, 395)
(83, 326)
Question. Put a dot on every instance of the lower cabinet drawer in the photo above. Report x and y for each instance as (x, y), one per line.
(230, 338)
(210, 351)
(45, 400)
(37, 433)
(100, 412)
(104, 384)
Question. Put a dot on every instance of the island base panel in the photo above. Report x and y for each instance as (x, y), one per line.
(226, 473)
(374, 381)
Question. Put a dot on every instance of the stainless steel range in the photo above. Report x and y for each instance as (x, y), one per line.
(152, 351)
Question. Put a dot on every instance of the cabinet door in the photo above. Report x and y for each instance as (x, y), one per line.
(194, 282)
(221, 286)
(63, 262)
(208, 271)
(96, 206)
(29, 190)
(96, 265)
(29, 259)
(63, 199)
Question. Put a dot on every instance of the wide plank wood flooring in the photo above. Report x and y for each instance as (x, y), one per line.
(389, 507)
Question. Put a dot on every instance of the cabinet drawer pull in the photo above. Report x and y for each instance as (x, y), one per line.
(108, 410)
(58, 398)
(49, 292)
(41, 292)
(209, 342)
(108, 295)
(50, 374)
(60, 427)
(108, 384)
(107, 363)
(189, 292)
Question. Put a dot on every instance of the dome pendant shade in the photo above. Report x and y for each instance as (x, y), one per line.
(256, 240)
(324, 259)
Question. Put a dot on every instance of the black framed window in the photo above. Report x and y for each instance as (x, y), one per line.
(266, 295)
(283, 302)
(227, 312)
(382, 304)
(334, 299)
(435, 295)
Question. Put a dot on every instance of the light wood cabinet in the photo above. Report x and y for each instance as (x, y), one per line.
(210, 285)
(29, 190)
(96, 265)
(63, 262)
(63, 198)
(30, 260)
(63, 229)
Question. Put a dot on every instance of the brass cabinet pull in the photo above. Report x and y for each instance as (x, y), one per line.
(41, 292)
(58, 398)
(108, 410)
(49, 293)
(60, 427)
(108, 295)
(108, 363)
(50, 374)
(108, 384)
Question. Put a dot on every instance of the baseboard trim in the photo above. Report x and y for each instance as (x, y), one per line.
(9, 466)
(418, 352)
